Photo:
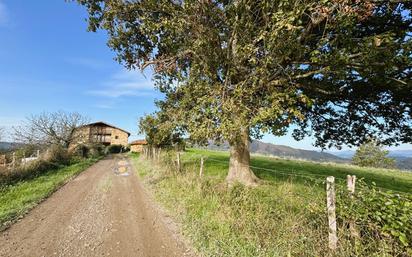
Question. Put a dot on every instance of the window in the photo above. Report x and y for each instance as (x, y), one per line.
(116, 137)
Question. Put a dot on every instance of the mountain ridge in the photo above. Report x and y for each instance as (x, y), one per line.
(284, 151)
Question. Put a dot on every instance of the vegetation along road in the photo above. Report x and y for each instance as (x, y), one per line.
(102, 212)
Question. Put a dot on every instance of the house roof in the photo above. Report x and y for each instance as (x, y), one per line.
(139, 142)
(106, 124)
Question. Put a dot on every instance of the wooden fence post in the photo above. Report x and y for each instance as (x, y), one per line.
(331, 208)
(14, 160)
(178, 162)
(3, 160)
(158, 153)
(38, 153)
(201, 167)
(351, 181)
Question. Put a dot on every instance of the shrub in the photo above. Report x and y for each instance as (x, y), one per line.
(114, 149)
(26, 151)
(57, 154)
(96, 150)
(380, 216)
(81, 151)
(88, 150)
(30, 170)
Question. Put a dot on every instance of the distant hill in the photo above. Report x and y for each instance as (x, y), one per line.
(285, 151)
(7, 146)
(404, 163)
(346, 154)
(403, 157)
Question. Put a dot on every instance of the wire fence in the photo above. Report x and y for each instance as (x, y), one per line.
(352, 209)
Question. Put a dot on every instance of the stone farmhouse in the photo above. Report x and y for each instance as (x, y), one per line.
(101, 132)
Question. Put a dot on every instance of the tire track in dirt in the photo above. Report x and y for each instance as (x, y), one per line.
(103, 212)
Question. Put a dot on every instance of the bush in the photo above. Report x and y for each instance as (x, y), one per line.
(55, 157)
(57, 154)
(87, 151)
(96, 150)
(81, 151)
(26, 151)
(380, 216)
(114, 149)
(30, 170)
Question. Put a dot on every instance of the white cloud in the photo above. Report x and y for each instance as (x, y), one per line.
(4, 17)
(86, 62)
(125, 83)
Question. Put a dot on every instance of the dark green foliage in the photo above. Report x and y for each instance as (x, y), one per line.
(96, 150)
(81, 150)
(114, 149)
(337, 69)
(89, 150)
(370, 154)
(159, 131)
(383, 215)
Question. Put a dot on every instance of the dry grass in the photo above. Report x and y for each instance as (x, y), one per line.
(283, 217)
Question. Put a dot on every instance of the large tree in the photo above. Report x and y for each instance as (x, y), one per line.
(50, 128)
(231, 70)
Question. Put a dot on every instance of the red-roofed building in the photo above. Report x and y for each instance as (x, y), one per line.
(137, 145)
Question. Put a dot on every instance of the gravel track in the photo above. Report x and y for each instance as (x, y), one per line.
(104, 211)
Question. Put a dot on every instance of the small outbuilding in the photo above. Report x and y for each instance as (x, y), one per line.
(137, 145)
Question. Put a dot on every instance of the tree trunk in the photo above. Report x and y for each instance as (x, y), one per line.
(239, 170)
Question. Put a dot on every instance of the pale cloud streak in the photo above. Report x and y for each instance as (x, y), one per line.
(124, 83)
(86, 62)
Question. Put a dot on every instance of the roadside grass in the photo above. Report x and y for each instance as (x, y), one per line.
(285, 216)
(18, 198)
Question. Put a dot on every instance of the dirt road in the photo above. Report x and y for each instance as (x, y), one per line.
(102, 212)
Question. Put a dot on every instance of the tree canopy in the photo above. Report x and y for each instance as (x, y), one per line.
(159, 131)
(338, 70)
(371, 154)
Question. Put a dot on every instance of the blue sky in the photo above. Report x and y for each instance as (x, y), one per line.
(49, 62)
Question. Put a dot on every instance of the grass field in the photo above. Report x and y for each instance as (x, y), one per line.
(16, 199)
(269, 168)
(284, 216)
